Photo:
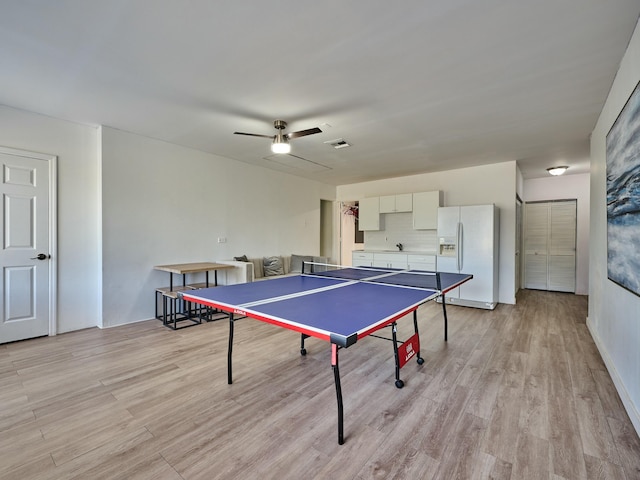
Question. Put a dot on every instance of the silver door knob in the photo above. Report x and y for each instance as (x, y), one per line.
(40, 256)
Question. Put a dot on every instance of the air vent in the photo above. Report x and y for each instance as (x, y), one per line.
(338, 143)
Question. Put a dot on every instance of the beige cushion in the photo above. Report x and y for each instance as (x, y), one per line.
(272, 266)
(258, 267)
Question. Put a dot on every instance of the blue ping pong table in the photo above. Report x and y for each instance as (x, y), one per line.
(338, 305)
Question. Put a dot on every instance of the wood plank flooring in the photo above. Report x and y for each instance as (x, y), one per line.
(517, 393)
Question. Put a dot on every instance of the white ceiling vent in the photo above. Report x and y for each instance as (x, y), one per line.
(338, 143)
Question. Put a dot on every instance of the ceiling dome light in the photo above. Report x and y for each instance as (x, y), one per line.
(280, 144)
(557, 170)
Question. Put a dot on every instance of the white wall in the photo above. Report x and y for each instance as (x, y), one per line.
(78, 275)
(519, 183)
(467, 186)
(163, 203)
(614, 313)
(568, 187)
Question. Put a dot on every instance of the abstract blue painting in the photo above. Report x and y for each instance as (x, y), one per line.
(623, 196)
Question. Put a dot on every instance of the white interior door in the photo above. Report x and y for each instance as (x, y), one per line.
(535, 245)
(550, 246)
(562, 247)
(26, 280)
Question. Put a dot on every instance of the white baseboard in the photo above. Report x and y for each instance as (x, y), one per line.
(102, 327)
(630, 407)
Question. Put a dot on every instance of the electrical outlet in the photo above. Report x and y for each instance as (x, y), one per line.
(222, 239)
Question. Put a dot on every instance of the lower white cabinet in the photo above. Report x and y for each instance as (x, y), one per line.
(362, 259)
(390, 260)
(404, 261)
(422, 262)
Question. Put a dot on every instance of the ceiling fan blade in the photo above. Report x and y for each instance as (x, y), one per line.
(255, 135)
(303, 133)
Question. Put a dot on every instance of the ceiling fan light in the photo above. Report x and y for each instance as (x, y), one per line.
(280, 144)
(280, 148)
(557, 170)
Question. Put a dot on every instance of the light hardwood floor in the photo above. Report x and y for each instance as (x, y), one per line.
(517, 393)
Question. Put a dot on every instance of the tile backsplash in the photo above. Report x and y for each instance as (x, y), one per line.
(398, 228)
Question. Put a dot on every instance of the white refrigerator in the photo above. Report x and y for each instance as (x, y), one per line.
(468, 242)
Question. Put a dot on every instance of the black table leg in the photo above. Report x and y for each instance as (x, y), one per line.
(420, 360)
(229, 379)
(336, 377)
(444, 303)
(444, 311)
(396, 356)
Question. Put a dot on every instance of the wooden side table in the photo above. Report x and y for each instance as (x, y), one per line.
(170, 313)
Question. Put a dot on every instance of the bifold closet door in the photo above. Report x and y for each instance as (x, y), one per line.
(550, 246)
(536, 235)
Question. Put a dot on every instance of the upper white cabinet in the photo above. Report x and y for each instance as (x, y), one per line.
(424, 206)
(425, 210)
(369, 213)
(396, 203)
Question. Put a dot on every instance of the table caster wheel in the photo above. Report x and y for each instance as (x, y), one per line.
(420, 360)
(399, 383)
(303, 351)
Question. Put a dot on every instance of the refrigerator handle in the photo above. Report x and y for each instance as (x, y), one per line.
(459, 247)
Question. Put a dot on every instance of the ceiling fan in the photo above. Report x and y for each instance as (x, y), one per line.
(281, 140)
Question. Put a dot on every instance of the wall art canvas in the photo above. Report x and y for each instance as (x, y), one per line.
(623, 196)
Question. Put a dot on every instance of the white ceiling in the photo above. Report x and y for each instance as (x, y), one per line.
(414, 86)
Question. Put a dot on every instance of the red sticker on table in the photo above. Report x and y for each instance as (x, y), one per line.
(408, 350)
